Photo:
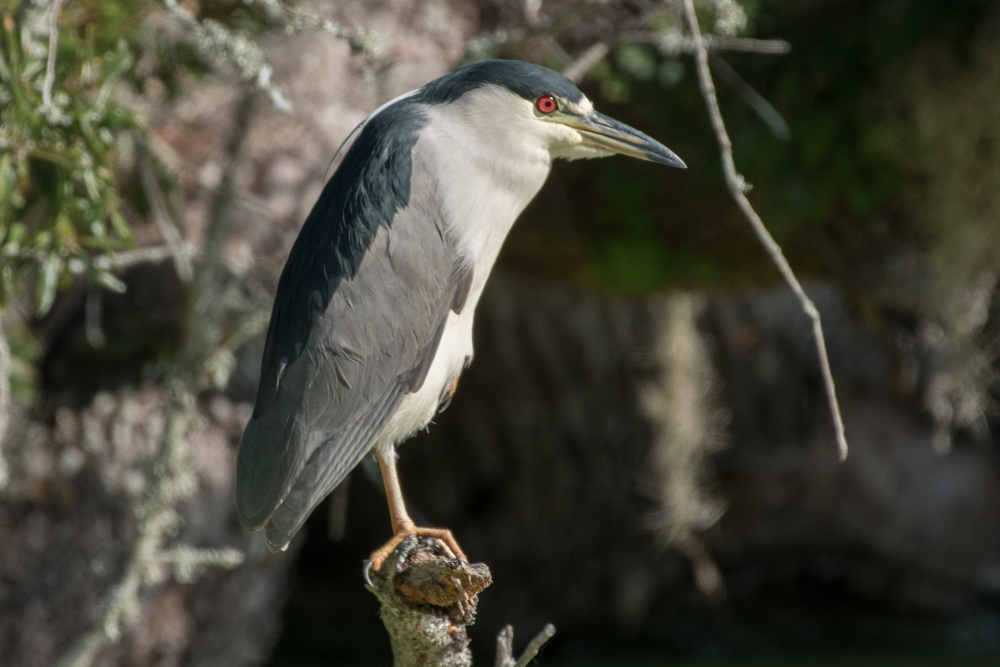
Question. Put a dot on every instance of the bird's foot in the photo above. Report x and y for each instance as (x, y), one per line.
(380, 555)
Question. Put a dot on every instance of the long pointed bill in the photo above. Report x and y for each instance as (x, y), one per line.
(608, 134)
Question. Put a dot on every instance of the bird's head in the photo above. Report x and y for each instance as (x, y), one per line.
(530, 104)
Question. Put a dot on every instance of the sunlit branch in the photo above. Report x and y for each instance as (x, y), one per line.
(738, 187)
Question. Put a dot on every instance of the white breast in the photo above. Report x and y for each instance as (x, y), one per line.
(486, 175)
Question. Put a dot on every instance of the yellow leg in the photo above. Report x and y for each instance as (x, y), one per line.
(402, 524)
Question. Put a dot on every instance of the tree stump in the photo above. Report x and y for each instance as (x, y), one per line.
(428, 598)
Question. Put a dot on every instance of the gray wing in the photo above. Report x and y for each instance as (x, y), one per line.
(373, 344)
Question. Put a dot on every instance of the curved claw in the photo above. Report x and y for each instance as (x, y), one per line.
(380, 555)
(366, 572)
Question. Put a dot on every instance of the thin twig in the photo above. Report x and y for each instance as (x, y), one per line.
(675, 42)
(180, 250)
(50, 65)
(112, 261)
(738, 187)
(123, 260)
(505, 647)
(586, 61)
(761, 106)
(535, 645)
(767, 46)
(750, 45)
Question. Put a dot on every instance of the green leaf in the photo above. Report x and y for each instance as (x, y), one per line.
(15, 234)
(90, 180)
(64, 229)
(7, 175)
(120, 226)
(105, 279)
(47, 282)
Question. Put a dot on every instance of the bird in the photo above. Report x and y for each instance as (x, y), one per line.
(371, 324)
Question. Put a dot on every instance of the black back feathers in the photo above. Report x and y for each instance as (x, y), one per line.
(369, 187)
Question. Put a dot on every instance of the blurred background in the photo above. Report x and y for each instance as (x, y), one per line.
(642, 451)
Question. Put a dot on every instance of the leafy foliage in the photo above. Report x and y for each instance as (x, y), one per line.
(59, 206)
(62, 130)
(848, 154)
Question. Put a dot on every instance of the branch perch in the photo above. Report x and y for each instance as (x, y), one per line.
(428, 598)
(738, 188)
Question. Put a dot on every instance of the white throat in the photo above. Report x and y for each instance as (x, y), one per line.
(487, 173)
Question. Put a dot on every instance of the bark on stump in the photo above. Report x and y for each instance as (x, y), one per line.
(427, 599)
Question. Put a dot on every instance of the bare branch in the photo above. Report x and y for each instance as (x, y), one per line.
(535, 645)
(750, 45)
(586, 61)
(505, 647)
(188, 562)
(674, 43)
(761, 106)
(122, 260)
(738, 188)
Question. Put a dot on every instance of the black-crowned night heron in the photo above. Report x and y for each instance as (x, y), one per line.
(372, 321)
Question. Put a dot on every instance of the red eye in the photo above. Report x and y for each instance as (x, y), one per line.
(546, 104)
